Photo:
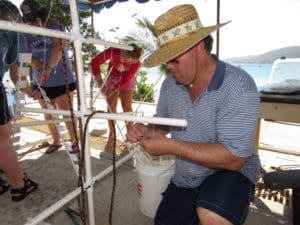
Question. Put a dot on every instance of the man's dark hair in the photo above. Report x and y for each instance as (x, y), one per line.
(136, 52)
(208, 43)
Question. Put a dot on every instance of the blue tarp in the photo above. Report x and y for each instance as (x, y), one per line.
(98, 5)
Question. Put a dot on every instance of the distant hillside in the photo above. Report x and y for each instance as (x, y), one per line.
(268, 57)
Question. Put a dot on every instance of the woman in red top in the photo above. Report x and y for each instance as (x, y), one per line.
(122, 67)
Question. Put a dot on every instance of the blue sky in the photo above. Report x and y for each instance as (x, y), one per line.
(257, 26)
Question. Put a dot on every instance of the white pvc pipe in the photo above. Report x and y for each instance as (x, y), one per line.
(24, 28)
(39, 122)
(109, 169)
(50, 111)
(53, 208)
(107, 43)
(27, 145)
(116, 116)
(56, 206)
(83, 105)
(29, 29)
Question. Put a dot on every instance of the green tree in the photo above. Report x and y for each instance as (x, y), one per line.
(144, 92)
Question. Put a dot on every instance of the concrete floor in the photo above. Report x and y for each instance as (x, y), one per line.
(56, 177)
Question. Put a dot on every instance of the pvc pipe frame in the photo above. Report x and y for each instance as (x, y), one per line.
(29, 29)
(34, 123)
(113, 116)
(87, 186)
(78, 39)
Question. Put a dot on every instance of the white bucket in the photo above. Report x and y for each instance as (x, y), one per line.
(152, 181)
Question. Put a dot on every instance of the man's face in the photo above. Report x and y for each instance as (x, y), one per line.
(184, 66)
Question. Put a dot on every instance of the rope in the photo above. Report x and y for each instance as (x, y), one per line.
(81, 173)
(114, 159)
(111, 122)
(81, 154)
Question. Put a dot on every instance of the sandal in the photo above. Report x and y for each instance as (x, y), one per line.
(4, 186)
(53, 148)
(19, 194)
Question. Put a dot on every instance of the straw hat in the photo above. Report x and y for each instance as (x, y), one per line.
(177, 30)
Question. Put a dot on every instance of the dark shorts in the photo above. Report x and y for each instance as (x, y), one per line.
(5, 114)
(226, 193)
(54, 92)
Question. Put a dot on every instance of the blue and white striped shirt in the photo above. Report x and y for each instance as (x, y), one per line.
(226, 112)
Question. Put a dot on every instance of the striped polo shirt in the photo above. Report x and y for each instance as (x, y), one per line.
(226, 113)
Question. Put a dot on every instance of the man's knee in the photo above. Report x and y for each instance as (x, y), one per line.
(208, 217)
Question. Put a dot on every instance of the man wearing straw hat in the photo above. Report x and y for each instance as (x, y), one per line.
(216, 164)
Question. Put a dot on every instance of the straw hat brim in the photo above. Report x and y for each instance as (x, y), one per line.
(179, 45)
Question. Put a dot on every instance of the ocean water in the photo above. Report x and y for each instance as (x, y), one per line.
(259, 72)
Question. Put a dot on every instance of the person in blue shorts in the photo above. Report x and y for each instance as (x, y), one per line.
(11, 43)
(52, 70)
(216, 165)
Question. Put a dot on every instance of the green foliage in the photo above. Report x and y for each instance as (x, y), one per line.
(145, 37)
(88, 50)
(144, 92)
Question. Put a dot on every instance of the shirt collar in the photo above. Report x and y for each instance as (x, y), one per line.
(218, 76)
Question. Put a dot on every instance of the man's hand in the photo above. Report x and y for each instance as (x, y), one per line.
(155, 143)
(136, 133)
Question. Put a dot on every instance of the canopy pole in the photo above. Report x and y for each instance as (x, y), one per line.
(83, 108)
(93, 54)
(218, 31)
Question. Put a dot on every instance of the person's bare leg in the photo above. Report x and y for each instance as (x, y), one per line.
(126, 102)
(8, 157)
(62, 102)
(112, 101)
(208, 217)
(52, 128)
